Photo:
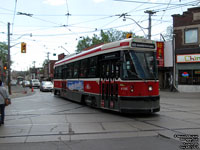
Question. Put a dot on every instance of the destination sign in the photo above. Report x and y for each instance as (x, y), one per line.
(143, 45)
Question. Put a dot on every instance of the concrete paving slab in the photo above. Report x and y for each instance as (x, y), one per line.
(142, 126)
(17, 120)
(6, 130)
(49, 129)
(79, 109)
(48, 138)
(196, 121)
(87, 127)
(109, 135)
(96, 118)
(48, 119)
(170, 123)
(180, 115)
(12, 140)
(100, 144)
(180, 102)
(117, 126)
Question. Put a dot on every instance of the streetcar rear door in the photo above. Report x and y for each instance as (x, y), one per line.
(109, 75)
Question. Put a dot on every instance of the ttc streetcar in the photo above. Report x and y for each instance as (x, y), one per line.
(120, 76)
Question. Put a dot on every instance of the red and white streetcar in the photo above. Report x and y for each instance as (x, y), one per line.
(119, 76)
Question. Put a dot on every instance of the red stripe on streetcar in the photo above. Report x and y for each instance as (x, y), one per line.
(94, 51)
(124, 44)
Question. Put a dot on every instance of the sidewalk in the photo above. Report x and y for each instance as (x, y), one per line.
(19, 91)
(182, 95)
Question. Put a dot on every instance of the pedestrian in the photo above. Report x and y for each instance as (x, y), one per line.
(3, 96)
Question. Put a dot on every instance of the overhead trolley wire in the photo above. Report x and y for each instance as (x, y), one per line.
(68, 14)
(152, 3)
(14, 15)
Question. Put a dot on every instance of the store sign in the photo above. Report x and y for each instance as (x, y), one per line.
(185, 74)
(160, 54)
(197, 72)
(190, 58)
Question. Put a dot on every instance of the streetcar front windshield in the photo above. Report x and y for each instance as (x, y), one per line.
(139, 65)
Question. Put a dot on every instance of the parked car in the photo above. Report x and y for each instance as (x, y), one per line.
(35, 83)
(46, 86)
(26, 83)
(14, 82)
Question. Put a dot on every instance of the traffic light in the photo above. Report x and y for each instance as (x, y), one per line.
(5, 66)
(23, 47)
(129, 35)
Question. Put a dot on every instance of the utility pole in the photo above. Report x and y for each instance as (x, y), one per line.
(8, 59)
(34, 70)
(48, 71)
(150, 12)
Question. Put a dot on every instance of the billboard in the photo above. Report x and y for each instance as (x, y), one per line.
(160, 54)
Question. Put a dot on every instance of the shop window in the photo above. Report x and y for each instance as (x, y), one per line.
(191, 36)
(189, 77)
(196, 77)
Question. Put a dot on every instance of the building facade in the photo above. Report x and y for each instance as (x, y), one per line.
(187, 50)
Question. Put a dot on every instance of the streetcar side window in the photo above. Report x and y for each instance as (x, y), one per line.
(55, 73)
(83, 68)
(64, 72)
(76, 69)
(70, 70)
(59, 72)
(92, 69)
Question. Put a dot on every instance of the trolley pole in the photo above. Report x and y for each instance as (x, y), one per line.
(8, 59)
(150, 12)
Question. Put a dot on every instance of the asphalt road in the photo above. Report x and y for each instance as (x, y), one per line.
(42, 121)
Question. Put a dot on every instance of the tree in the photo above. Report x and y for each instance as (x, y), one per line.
(104, 37)
(3, 52)
(169, 33)
(83, 44)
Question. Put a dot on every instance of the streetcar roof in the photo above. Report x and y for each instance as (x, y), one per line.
(106, 48)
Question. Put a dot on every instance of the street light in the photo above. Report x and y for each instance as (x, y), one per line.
(23, 35)
(124, 19)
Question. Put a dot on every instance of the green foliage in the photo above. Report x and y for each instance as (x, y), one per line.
(169, 33)
(104, 37)
(3, 52)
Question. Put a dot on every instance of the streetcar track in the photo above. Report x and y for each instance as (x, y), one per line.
(73, 133)
(175, 130)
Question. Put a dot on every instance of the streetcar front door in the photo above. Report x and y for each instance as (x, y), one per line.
(109, 74)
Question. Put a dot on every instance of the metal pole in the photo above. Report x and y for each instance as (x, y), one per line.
(174, 64)
(8, 59)
(48, 65)
(150, 12)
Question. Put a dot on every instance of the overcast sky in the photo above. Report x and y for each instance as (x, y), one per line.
(55, 23)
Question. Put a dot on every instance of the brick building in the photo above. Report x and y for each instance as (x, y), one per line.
(187, 50)
(48, 70)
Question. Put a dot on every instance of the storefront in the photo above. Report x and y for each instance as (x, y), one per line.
(188, 72)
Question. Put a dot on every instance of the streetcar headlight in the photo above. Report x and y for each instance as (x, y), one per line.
(132, 89)
(150, 88)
